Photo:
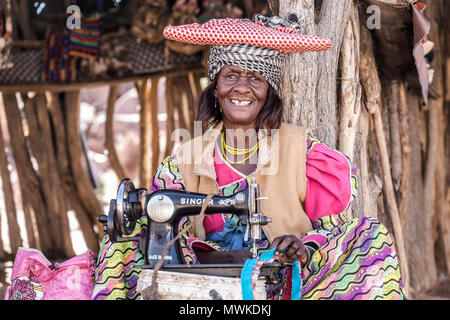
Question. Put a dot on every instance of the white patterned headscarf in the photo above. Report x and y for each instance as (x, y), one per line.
(266, 62)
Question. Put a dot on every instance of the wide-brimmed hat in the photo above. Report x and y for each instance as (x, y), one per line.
(259, 45)
(225, 32)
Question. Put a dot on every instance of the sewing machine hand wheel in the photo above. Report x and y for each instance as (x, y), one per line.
(123, 214)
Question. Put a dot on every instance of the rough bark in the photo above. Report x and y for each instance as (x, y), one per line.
(144, 131)
(28, 178)
(78, 167)
(405, 154)
(154, 124)
(350, 93)
(170, 123)
(15, 239)
(66, 178)
(308, 81)
(109, 134)
(374, 96)
(59, 217)
(434, 177)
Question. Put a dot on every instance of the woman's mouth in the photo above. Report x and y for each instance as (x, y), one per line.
(241, 102)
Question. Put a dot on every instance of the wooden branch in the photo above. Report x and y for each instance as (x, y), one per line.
(30, 185)
(79, 171)
(15, 239)
(60, 218)
(67, 180)
(109, 134)
(406, 154)
(394, 133)
(369, 191)
(189, 103)
(144, 129)
(350, 87)
(370, 81)
(194, 82)
(76, 86)
(30, 223)
(170, 123)
(25, 18)
(154, 124)
(46, 187)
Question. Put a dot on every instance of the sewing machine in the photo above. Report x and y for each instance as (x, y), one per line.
(165, 208)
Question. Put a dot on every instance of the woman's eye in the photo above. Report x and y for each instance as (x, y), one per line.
(230, 76)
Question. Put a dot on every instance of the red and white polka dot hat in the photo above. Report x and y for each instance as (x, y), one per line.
(224, 32)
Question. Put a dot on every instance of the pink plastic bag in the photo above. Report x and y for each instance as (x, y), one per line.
(35, 278)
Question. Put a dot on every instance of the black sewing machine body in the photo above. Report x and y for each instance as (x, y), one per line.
(164, 209)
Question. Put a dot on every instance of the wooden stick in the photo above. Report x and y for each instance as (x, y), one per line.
(170, 123)
(109, 134)
(154, 125)
(76, 86)
(15, 239)
(372, 91)
(350, 86)
(369, 191)
(52, 209)
(144, 129)
(406, 153)
(27, 176)
(394, 133)
(390, 198)
(67, 180)
(60, 218)
(82, 182)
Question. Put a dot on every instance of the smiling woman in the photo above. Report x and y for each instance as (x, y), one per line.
(308, 192)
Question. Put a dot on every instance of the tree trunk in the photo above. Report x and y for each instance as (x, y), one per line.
(308, 81)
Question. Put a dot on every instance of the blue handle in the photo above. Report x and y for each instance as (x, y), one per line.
(249, 266)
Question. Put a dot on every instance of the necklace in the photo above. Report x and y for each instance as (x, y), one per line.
(237, 152)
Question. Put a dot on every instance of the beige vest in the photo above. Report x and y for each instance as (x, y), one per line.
(280, 174)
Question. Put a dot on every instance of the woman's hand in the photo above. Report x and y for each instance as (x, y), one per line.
(289, 248)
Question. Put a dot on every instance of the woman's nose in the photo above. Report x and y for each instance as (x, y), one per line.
(242, 84)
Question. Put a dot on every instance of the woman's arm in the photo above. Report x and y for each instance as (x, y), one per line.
(330, 180)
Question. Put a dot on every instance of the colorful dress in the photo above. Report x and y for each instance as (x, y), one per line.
(348, 258)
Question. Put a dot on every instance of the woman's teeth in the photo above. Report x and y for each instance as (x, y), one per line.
(241, 102)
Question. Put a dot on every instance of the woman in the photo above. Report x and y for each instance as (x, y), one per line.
(309, 186)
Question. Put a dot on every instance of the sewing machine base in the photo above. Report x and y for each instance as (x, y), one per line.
(222, 270)
(189, 286)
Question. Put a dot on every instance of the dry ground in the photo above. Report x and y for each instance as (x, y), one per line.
(440, 292)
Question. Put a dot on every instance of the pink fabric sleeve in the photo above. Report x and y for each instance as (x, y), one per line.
(329, 182)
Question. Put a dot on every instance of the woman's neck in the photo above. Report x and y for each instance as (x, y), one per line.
(240, 136)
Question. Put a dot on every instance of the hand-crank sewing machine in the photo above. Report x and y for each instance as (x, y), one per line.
(164, 209)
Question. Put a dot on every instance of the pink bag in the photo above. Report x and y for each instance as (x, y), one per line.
(35, 278)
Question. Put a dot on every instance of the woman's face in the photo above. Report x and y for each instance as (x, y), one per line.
(241, 95)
